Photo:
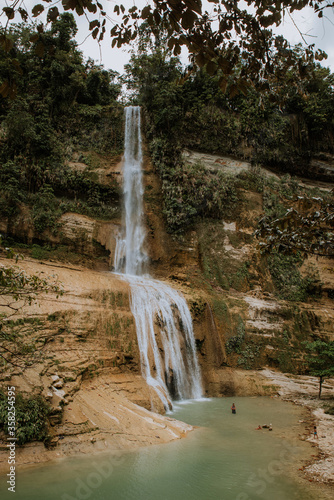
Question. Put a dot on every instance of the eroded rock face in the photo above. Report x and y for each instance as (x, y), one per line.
(88, 366)
(85, 230)
(322, 167)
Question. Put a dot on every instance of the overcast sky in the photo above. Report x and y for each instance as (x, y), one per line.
(315, 30)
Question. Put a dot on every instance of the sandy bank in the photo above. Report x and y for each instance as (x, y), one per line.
(303, 390)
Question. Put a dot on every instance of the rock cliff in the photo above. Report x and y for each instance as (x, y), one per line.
(86, 359)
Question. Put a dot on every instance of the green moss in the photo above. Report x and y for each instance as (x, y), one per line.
(234, 343)
(288, 281)
(220, 309)
(219, 266)
(249, 356)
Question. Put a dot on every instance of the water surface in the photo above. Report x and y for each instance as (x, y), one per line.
(225, 459)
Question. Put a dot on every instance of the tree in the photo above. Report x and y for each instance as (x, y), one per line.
(321, 360)
(236, 34)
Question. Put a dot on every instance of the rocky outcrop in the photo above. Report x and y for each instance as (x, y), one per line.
(86, 365)
(101, 416)
(322, 167)
(86, 362)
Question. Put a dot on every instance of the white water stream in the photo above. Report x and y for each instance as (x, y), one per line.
(163, 321)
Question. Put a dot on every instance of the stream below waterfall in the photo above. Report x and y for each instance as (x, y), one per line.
(225, 459)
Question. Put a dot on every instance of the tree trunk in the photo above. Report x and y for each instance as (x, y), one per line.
(321, 379)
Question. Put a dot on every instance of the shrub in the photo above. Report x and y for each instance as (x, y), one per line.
(288, 281)
(45, 212)
(31, 418)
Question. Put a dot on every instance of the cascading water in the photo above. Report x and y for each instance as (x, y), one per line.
(161, 314)
(130, 255)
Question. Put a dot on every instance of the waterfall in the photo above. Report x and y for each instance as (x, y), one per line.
(130, 255)
(162, 317)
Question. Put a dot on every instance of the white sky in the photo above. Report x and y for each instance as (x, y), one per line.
(315, 30)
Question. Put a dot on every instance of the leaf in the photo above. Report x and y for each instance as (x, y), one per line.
(145, 12)
(234, 90)
(211, 68)
(157, 17)
(9, 11)
(53, 13)
(91, 7)
(34, 38)
(200, 59)
(37, 10)
(188, 19)
(195, 5)
(171, 43)
(95, 32)
(7, 43)
(177, 49)
(223, 84)
(17, 66)
(243, 86)
(79, 10)
(93, 24)
(69, 4)
(23, 13)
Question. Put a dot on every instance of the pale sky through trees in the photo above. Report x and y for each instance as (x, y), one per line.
(315, 30)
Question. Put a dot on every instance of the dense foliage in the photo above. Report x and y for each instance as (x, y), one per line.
(282, 127)
(63, 105)
(321, 360)
(287, 279)
(31, 418)
(218, 40)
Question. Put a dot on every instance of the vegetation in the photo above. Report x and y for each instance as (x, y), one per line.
(307, 229)
(18, 289)
(235, 343)
(31, 415)
(321, 360)
(62, 109)
(281, 127)
(210, 45)
(289, 282)
(63, 105)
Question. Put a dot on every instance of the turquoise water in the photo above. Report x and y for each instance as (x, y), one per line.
(225, 459)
